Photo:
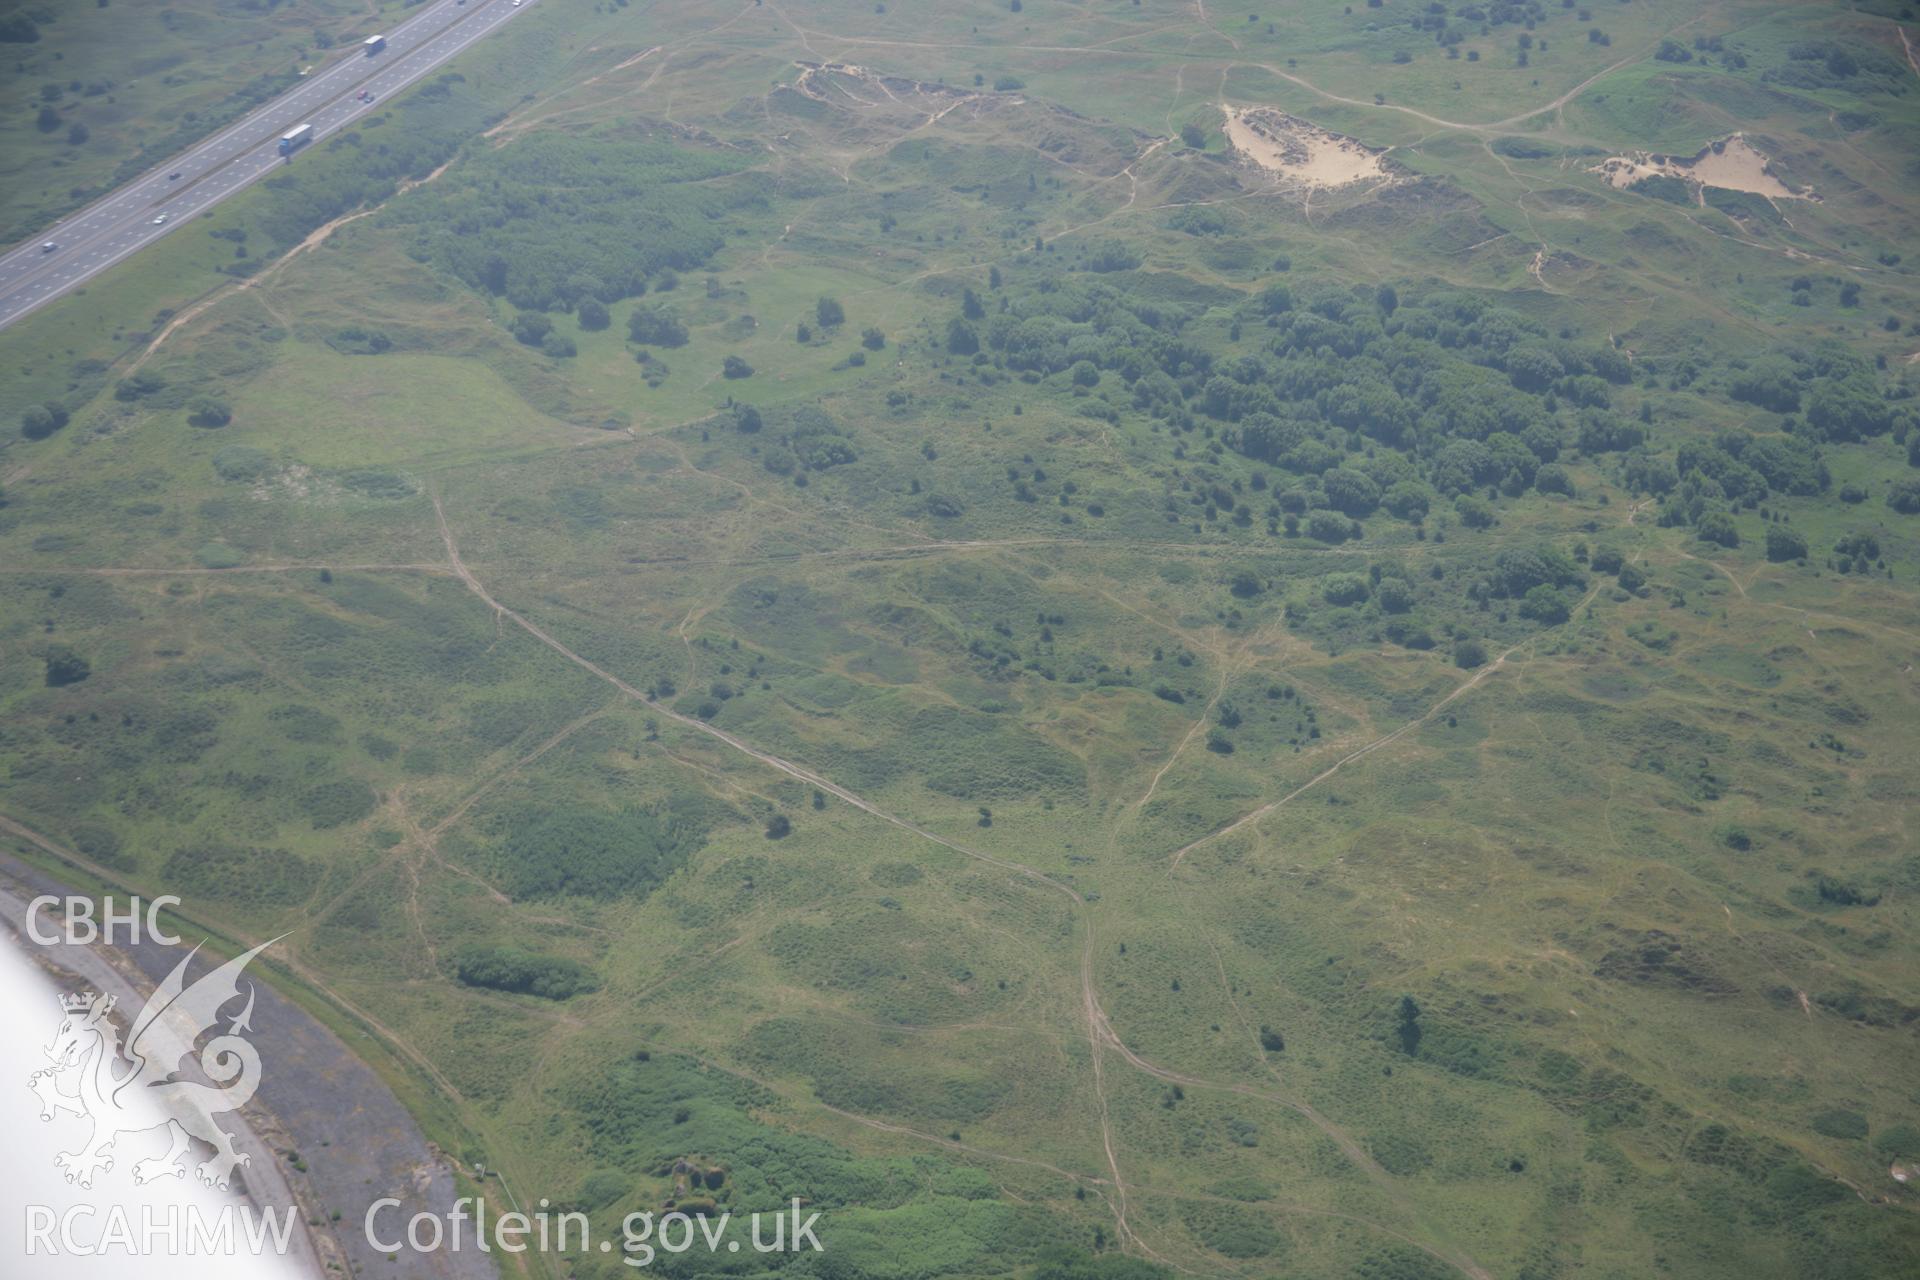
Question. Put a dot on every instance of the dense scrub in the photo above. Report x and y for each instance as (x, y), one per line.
(551, 223)
(551, 850)
(511, 969)
(1368, 402)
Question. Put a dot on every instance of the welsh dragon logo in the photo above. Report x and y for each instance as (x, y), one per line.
(94, 1076)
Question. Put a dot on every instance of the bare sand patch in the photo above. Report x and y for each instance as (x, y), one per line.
(1732, 164)
(848, 82)
(1299, 150)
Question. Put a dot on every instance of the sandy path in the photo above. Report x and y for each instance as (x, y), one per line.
(314, 239)
(1101, 1035)
(1354, 1152)
(121, 571)
(700, 726)
(1491, 126)
(1382, 741)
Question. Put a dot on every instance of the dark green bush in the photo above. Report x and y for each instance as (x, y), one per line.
(503, 968)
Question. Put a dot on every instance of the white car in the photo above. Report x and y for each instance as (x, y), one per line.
(48, 247)
(160, 220)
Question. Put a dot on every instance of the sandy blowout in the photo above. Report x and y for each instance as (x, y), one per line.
(1732, 164)
(1299, 151)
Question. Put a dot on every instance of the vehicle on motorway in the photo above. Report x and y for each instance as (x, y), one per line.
(295, 138)
(48, 247)
(374, 44)
(174, 176)
(366, 96)
(160, 220)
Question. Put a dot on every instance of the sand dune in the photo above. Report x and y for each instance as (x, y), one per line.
(1298, 150)
(1732, 164)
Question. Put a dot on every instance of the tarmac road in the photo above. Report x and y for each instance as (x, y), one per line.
(157, 203)
(315, 1096)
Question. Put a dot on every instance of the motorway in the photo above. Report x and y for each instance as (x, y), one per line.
(158, 202)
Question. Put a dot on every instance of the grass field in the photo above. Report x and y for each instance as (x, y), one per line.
(814, 594)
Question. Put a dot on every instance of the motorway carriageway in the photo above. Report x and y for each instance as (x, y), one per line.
(118, 224)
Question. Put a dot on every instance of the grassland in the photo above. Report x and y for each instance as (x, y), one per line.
(1253, 731)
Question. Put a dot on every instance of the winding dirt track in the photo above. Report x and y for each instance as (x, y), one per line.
(700, 726)
(1100, 1033)
(1371, 747)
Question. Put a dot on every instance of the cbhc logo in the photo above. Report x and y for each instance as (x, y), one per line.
(82, 928)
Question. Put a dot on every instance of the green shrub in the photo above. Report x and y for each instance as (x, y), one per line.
(601, 1188)
(241, 462)
(1063, 1262)
(355, 340)
(301, 723)
(656, 327)
(1401, 1262)
(1838, 1122)
(65, 666)
(1663, 187)
(559, 850)
(1231, 1230)
(1344, 588)
(378, 482)
(1784, 544)
(1546, 605)
(335, 804)
(1400, 1154)
(1473, 512)
(101, 843)
(138, 386)
(1718, 527)
(1524, 148)
(546, 223)
(208, 411)
(1839, 893)
(502, 968)
(1898, 1141)
(249, 876)
(1326, 526)
(38, 421)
